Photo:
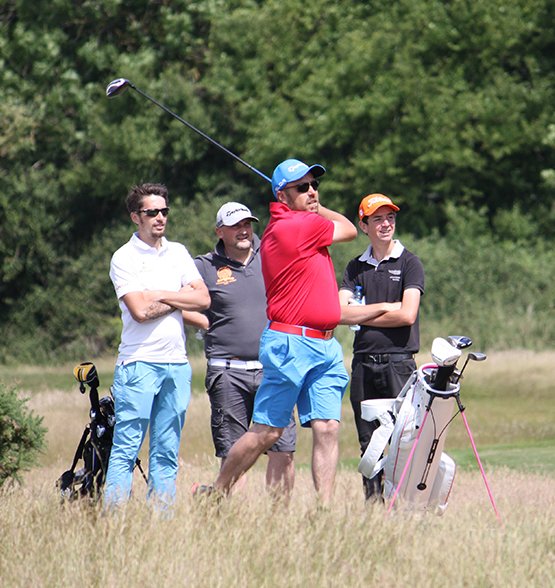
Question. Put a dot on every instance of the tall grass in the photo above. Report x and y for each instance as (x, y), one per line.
(251, 541)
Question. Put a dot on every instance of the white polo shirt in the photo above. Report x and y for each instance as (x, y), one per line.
(136, 267)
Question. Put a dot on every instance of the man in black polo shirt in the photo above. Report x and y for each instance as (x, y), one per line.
(384, 347)
(233, 324)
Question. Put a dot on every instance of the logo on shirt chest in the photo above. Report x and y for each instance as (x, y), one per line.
(394, 275)
(225, 276)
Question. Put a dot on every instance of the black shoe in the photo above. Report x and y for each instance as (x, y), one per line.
(373, 491)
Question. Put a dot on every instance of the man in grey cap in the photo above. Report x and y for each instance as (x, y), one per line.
(233, 325)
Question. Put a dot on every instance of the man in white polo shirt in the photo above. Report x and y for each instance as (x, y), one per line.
(155, 280)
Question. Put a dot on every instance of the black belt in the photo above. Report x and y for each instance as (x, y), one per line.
(385, 357)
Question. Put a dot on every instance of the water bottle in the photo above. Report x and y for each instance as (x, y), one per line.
(357, 298)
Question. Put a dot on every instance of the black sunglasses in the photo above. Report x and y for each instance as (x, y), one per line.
(152, 212)
(302, 188)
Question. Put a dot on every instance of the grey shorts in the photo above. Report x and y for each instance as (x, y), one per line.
(231, 392)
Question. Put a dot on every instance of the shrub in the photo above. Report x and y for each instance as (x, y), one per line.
(21, 435)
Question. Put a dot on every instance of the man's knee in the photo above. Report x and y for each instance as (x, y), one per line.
(266, 435)
(325, 426)
(325, 431)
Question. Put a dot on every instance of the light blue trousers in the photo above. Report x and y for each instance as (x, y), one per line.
(155, 394)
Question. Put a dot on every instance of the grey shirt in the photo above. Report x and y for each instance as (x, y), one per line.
(237, 313)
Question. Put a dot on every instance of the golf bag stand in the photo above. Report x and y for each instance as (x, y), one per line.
(95, 445)
(415, 426)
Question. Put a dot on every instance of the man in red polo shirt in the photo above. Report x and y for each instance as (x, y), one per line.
(303, 363)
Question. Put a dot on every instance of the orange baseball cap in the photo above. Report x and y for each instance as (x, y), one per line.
(369, 204)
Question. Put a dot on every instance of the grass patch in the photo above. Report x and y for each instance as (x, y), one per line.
(536, 458)
(35, 379)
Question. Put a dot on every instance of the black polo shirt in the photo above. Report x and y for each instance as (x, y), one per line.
(385, 281)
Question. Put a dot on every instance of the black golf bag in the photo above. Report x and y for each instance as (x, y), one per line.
(95, 445)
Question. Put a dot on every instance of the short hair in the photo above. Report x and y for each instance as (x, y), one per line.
(137, 194)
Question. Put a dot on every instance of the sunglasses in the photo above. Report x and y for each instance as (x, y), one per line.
(302, 188)
(152, 212)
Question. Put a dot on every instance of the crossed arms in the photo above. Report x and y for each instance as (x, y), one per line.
(381, 314)
(152, 304)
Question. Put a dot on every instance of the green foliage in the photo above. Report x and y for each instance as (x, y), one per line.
(21, 436)
(434, 103)
(427, 101)
(497, 290)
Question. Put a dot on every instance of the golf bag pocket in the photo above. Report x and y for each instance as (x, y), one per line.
(443, 484)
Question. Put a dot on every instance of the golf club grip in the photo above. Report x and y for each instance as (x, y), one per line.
(442, 377)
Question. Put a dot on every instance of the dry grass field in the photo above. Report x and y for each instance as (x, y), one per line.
(251, 541)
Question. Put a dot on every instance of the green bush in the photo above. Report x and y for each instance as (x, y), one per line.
(21, 435)
(494, 287)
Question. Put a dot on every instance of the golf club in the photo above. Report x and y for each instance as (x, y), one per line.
(459, 341)
(474, 356)
(118, 86)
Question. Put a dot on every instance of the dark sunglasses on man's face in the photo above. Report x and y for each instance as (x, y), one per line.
(152, 212)
(302, 188)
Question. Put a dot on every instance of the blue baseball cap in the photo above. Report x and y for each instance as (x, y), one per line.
(291, 170)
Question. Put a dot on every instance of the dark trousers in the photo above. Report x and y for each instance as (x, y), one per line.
(371, 379)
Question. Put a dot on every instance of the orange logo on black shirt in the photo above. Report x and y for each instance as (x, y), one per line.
(225, 276)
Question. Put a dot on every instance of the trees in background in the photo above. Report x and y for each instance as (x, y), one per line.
(438, 104)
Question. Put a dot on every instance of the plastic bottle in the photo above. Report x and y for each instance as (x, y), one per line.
(357, 298)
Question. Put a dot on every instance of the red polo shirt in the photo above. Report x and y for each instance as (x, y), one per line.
(298, 271)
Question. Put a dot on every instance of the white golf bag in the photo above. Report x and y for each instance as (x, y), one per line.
(414, 425)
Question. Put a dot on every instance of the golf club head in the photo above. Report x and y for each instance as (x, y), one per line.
(459, 341)
(444, 353)
(85, 373)
(477, 356)
(117, 87)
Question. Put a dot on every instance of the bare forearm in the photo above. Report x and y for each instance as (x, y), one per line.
(194, 297)
(344, 230)
(156, 310)
(330, 214)
(153, 304)
(361, 314)
(144, 306)
(195, 319)
(403, 316)
(193, 301)
(396, 318)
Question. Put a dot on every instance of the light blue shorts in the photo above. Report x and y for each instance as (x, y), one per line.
(303, 371)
